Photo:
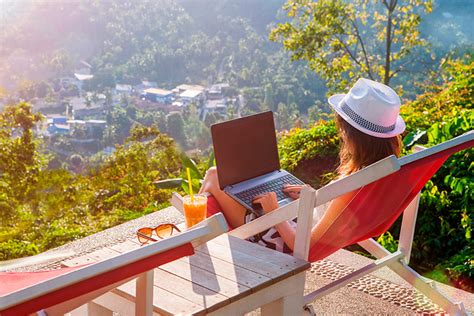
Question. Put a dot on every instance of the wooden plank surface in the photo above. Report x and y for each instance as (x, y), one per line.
(222, 271)
(258, 251)
(226, 269)
(270, 268)
(186, 289)
(205, 278)
(164, 302)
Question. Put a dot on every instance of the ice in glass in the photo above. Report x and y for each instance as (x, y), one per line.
(194, 209)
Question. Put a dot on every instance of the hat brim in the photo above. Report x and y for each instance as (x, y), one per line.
(334, 102)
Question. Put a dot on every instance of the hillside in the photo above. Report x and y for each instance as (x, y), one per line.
(179, 41)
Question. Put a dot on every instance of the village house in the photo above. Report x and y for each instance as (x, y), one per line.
(123, 89)
(183, 87)
(192, 96)
(145, 84)
(216, 91)
(158, 95)
(81, 108)
(211, 106)
(57, 124)
(45, 107)
(82, 73)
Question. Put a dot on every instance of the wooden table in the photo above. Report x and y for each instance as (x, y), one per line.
(226, 276)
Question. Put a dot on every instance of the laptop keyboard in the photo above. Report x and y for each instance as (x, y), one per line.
(272, 186)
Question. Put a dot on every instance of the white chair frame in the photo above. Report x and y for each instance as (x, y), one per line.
(201, 233)
(397, 261)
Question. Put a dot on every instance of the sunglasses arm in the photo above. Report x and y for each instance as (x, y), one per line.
(146, 237)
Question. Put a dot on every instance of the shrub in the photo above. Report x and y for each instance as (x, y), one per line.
(15, 248)
(310, 154)
(446, 206)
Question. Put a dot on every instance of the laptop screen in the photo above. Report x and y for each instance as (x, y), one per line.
(245, 148)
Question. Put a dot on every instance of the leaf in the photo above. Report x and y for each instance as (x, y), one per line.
(189, 163)
(185, 186)
(169, 183)
(433, 133)
(211, 162)
(412, 138)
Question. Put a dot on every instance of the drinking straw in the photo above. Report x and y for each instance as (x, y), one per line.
(190, 185)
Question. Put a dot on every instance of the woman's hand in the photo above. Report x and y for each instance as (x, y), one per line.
(268, 201)
(293, 190)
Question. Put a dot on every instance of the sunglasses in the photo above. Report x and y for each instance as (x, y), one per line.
(162, 231)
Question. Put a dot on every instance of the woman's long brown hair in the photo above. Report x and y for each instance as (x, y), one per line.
(358, 150)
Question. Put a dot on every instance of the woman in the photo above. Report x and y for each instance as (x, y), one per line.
(369, 127)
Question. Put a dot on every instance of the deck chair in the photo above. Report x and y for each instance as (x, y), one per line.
(57, 292)
(385, 190)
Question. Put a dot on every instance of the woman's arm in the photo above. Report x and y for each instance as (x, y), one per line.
(287, 232)
(335, 208)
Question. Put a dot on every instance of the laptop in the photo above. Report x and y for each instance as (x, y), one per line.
(247, 160)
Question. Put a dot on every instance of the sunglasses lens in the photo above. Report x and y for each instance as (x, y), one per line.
(145, 231)
(164, 231)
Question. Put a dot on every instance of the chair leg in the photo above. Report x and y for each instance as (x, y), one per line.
(428, 288)
(144, 290)
(309, 310)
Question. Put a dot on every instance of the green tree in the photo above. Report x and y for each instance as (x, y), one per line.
(42, 89)
(343, 40)
(26, 90)
(212, 118)
(20, 161)
(197, 134)
(231, 111)
(175, 128)
(60, 62)
(77, 163)
(290, 99)
(286, 116)
(269, 100)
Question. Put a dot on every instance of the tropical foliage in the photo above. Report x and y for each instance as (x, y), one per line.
(341, 40)
(43, 208)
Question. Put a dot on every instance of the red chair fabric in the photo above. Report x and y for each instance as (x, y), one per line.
(14, 281)
(378, 205)
(87, 285)
(213, 208)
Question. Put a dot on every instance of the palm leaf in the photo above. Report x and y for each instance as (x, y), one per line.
(189, 163)
(169, 183)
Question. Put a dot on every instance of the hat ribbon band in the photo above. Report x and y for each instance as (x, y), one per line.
(363, 122)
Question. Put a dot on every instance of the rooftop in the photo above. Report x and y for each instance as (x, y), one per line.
(157, 91)
(190, 87)
(82, 77)
(123, 87)
(215, 104)
(190, 94)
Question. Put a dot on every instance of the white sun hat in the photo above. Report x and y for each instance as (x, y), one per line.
(371, 107)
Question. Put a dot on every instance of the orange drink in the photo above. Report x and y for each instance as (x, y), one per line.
(194, 209)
